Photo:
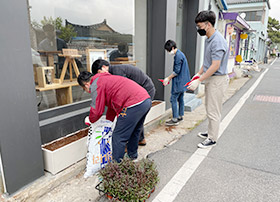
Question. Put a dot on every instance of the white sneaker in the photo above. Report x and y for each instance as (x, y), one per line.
(208, 143)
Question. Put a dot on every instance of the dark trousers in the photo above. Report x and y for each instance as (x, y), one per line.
(152, 93)
(128, 128)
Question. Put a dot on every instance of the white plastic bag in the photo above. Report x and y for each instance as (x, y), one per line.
(99, 145)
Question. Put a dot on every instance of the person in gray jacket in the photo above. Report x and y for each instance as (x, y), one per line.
(130, 72)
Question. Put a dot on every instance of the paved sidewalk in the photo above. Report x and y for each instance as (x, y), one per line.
(80, 189)
(70, 185)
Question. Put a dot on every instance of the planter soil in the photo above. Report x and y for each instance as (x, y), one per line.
(67, 140)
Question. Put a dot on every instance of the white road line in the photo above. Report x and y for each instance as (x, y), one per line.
(273, 61)
(178, 181)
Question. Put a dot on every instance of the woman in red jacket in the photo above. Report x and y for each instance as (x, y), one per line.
(123, 98)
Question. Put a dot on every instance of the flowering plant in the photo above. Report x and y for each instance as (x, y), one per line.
(128, 180)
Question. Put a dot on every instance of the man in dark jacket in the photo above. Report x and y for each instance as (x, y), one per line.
(131, 72)
(180, 76)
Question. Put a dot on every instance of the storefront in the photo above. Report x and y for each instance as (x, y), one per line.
(236, 29)
(44, 46)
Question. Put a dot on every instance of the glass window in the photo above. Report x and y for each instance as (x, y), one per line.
(231, 37)
(67, 36)
(253, 15)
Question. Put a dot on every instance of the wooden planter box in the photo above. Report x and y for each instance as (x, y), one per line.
(157, 109)
(65, 151)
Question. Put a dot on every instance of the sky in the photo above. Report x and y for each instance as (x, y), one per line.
(119, 14)
(274, 12)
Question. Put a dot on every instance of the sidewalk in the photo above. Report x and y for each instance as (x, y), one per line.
(69, 185)
(80, 189)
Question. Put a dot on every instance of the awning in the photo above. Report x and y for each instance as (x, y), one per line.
(237, 21)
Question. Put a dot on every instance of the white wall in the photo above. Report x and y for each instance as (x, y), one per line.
(140, 39)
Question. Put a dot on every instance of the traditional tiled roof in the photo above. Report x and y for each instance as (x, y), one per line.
(94, 26)
(101, 30)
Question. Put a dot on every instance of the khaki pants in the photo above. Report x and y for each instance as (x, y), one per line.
(215, 87)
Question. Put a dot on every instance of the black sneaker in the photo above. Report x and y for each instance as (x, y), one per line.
(203, 135)
(207, 144)
(180, 118)
(171, 122)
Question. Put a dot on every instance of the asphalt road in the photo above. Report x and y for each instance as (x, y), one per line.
(245, 164)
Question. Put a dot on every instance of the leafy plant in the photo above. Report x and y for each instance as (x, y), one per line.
(273, 33)
(128, 180)
(65, 32)
(273, 29)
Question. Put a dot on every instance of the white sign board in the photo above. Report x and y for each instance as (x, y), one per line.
(94, 54)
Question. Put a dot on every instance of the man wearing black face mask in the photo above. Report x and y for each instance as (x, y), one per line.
(213, 72)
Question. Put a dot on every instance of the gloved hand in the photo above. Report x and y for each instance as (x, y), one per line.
(87, 121)
(197, 74)
(166, 81)
(193, 84)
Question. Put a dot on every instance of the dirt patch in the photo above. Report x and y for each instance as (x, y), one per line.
(154, 103)
(169, 128)
(67, 140)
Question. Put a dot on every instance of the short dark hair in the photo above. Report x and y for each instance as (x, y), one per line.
(98, 65)
(169, 45)
(205, 16)
(84, 77)
(123, 47)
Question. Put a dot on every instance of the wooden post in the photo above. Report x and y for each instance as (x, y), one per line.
(64, 68)
(76, 69)
(70, 70)
(70, 55)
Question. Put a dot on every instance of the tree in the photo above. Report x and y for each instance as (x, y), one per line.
(64, 32)
(49, 20)
(273, 31)
(67, 33)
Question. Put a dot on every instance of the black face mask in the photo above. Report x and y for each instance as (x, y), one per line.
(202, 32)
